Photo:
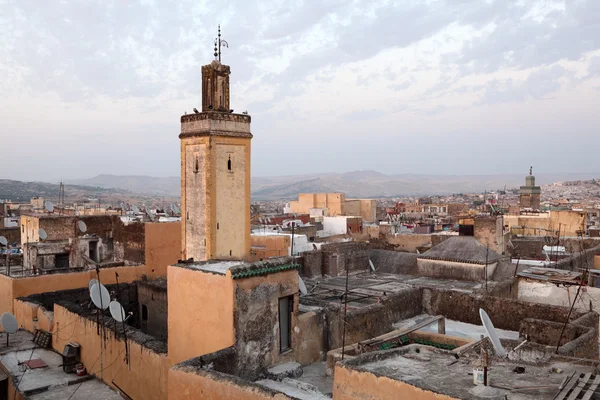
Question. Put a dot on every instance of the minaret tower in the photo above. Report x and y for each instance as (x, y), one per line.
(530, 194)
(215, 172)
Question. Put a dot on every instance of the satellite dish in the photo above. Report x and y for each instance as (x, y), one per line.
(116, 311)
(49, 206)
(173, 208)
(100, 296)
(9, 323)
(91, 283)
(491, 331)
(81, 226)
(371, 265)
(3, 241)
(150, 215)
(269, 220)
(42, 234)
(302, 286)
(121, 205)
(260, 220)
(135, 209)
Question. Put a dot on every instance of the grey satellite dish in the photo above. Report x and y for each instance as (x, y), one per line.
(371, 265)
(491, 331)
(116, 311)
(91, 283)
(302, 286)
(81, 226)
(3, 241)
(49, 206)
(9, 323)
(269, 220)
(121, 205)
(42, 234)
(100, 296)
(173, 208)
(135, 209)
(150, 215)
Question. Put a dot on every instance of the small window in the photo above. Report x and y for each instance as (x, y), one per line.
(229, 164)
(23, 228)
(144, 313)
(285, 323)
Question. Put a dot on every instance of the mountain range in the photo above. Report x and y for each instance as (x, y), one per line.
(355, 184)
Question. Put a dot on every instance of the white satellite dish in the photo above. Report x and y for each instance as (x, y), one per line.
(81, 226)
(100, 296)
(49, 206)
(491, 331)
(91, 283)
(3, 241)
(150, 215)
(9, 323)
(116, 311)
(269, 219)
(135, 209)
(302, 286)
(42, 234)
(371, 265)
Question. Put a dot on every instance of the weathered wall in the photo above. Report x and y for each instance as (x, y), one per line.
(488, 230)
(153, 295)
(256, 320)
(309, 337)
(339, 257)
(454, 270)
(394, 262)
(13, 235)
(194, 197)
(145, 377)
(163, 246)
(349, 384)
(200, 309)
(189, 383)
(266, 246)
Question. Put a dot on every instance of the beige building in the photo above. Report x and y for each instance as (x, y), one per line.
(568, 222)
(335, 204)
(215, 174)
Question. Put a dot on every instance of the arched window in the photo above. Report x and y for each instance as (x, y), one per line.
(229, 164)
(144, 313)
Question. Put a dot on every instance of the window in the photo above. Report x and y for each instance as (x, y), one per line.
(229, 164)
(144, 313)
(285, 323)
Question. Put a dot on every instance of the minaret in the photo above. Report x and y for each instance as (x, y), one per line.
(215, 173)
(530, 194)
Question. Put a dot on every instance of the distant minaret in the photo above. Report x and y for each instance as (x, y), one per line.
(530, 194)
(215, 173)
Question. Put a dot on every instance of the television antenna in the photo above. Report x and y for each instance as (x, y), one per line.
(9, 325)
(492, 333)
(49, 206)
(42, 234)
(81, 226)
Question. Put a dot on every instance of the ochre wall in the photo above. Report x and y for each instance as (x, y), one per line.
(145, 377)
(263, 246)
(163, 247)
(11, 288)
(569, 222)
(354, 385)
(208, 385)
(200, 313)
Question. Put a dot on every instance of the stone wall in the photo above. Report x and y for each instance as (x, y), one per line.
(339, 257)
(394, 262)
(154, 318)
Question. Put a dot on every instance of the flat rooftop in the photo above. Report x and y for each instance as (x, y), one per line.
(438, 371)
(366, 288)
(49, 381)
(216, 267)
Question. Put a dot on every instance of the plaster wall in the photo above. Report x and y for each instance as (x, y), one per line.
(213, 385)
(350, 384)
(232, 201)
(489, 231)
(145, 377)
(335, 225)
(256, 320)
(309, 338)
(200, 310)
(194, 200)
(368, 210)
(351, 207)
(155, 300)
(163, 246)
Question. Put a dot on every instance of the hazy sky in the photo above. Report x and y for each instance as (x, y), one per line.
(448, 87)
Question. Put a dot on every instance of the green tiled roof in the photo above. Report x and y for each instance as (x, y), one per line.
(249, 273)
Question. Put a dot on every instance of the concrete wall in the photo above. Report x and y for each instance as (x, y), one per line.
(394, 262)
(187, 383)
(153, 295)
(200, 309)
(310, 340)
(569, 222)
(454, 270)
(256, 320)
(335, 225)
(489, 231)
(266, 246)
(350, 384)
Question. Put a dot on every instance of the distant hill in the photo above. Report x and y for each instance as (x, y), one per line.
(354, 184)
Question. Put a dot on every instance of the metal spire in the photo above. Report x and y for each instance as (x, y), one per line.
(219, 42)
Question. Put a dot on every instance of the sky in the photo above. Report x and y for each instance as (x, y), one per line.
(433, 87)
